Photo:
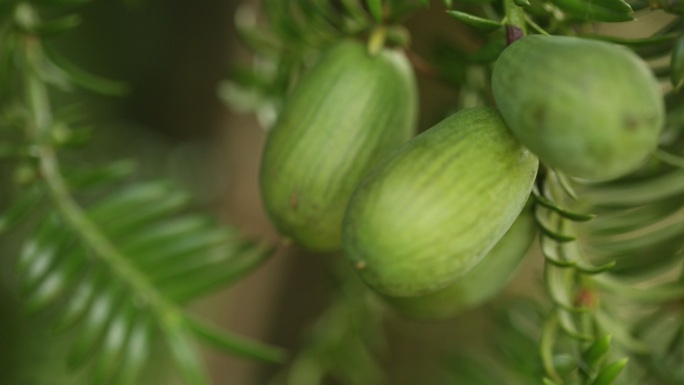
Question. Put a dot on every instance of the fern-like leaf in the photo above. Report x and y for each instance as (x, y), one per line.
(118, 269)
(158, 262)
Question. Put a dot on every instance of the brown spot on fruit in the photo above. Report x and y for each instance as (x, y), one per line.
(360, 265)
(294, 203)
(539, 116)
(631, 123)
(513, 33)
(586, 298)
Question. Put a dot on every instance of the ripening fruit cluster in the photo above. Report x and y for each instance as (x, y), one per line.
(438, 222)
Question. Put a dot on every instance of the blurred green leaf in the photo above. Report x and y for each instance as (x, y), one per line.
(677, 63)
(93, 177)
(609, 374)
(629, 194)
(375, 8)
(84, 79)
(479, 23)
(562, 212)
(233, 344)
(20, 208)
(596, 352)
(185, 356)
(647, 47)
(59, 26)
(597, 10)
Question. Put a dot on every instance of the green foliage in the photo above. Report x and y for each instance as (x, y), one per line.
(115, 263)
(480, 23)
(119, 265)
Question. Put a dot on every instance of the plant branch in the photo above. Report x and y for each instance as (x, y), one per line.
(39, 128)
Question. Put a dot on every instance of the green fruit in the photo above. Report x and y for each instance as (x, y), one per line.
(431, 210)
(588, 108)
(481, 283)
(347, 112)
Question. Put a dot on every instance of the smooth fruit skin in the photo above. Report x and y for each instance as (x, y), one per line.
(427, 213)
(347, 112)
(481, 283)
(588, 108)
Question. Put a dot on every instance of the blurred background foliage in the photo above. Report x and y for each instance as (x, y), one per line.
(171, 54)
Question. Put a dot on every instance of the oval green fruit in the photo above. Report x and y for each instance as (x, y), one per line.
(591, 109)
(345, 113)
(481, 283)
(427, 213)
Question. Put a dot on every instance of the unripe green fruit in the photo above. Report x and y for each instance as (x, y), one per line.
(426, 214)
(347, 112)
(588, 108)
(481, 283)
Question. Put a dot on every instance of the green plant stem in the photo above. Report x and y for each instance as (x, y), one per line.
(535, 26)
(671, 159)
(665, 292)
(515, 16)
(546, 347)
(238, 345)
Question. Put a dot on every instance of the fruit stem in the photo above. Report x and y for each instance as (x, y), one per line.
(516, 26)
